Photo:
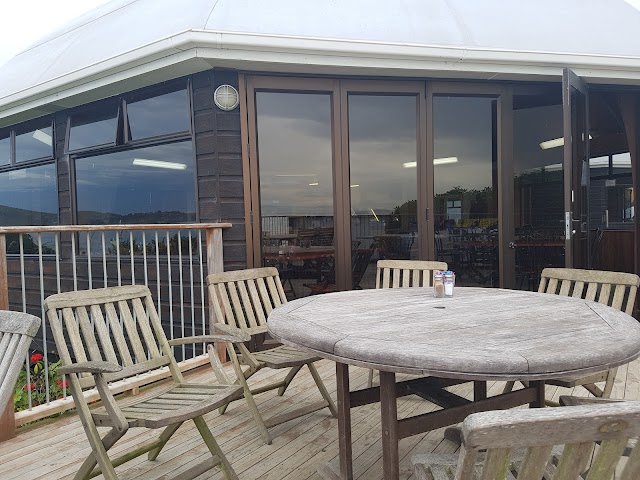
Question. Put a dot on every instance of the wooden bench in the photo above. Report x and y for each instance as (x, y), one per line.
(110, 334)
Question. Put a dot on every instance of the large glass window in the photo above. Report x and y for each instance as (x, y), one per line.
(296, 189)
(34, 143)
(93, 127)
(538, 185)
(144, 185)
(158, 115)
(5, 149)
(29, 196)
(465, 186)
(382, 163)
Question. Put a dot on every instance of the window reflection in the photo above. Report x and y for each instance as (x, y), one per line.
(5, 150)
(538, 186)
(29, 196)
(382, 158)
(34, 143)
(159, 115)
(145, 185)
(296, 189)
(93, 127)
(465, 186)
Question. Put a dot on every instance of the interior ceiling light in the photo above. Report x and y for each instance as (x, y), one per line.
(143, 162)
(436, 161)
(556, 142)
(226, 97)
(354, 185)
(314, 184)
(42, 137)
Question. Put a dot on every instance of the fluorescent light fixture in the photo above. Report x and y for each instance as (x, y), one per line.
(436, 161)
(143, 162)
(556, 142)
(374, 215)
(313, 184)
(297, 175)
(444, 161)
(354, 185)
(42, 137)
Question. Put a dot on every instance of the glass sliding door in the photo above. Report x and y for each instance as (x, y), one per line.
(296, 194)
(383, 154)
(465, 183)
(538, 204)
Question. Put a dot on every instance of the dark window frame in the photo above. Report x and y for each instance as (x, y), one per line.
(28, 127)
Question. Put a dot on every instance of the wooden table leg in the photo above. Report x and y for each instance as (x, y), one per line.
(539, 402)
(479, 390)
(344, 421)
(389, 414)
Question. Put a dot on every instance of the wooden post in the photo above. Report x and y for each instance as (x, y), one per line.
(215, 264)
(7, 420)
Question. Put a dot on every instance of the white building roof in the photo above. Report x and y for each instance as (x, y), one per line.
(126, 44)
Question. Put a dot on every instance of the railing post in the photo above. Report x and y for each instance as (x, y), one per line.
(7, 420)
(215, 264)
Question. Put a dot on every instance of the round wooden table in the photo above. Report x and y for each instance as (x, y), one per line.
(480, 334)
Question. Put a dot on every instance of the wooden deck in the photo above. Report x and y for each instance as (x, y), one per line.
(55, 448)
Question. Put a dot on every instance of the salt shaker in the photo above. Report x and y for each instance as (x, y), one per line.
(438, 284)
(449, 281)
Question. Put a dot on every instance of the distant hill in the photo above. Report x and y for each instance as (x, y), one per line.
(10, 216)
(101, 218)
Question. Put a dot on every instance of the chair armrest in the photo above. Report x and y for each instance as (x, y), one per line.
(90, 367)
(233, 331)
(232, 337)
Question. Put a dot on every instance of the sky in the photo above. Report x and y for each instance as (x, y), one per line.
(24, 22)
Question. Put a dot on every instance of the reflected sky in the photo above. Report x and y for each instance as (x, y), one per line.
(294, 144)
(531, 127)
(161, 115)
(29, 196)
(92, 128)
(462, 129)
(37, 143)
(378, 148)
(111, 186)
(5, 151)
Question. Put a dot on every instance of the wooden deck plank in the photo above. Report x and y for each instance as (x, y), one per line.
(299, 446)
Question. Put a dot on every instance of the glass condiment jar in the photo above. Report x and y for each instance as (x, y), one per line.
(449, 282)
(438, 284)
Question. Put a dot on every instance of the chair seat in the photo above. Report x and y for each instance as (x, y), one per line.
(177, 404)
(577, 380)
(284, 356)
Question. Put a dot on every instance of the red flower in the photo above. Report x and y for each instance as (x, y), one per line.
(36, 357)
(29, 387)
(62, 384)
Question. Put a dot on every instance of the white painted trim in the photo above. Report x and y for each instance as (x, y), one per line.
(197, 50)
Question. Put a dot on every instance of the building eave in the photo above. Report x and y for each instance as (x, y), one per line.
(197, 50)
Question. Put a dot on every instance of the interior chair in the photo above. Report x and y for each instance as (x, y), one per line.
(360, 260)
(16, 332)
(405, 273)
(110, 334)
(548, 444)
(615, 289)
(242, 301)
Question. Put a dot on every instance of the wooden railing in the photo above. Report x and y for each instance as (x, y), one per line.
(171, 259)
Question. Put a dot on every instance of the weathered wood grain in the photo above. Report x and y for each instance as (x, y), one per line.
(68, 314)
(488, 334)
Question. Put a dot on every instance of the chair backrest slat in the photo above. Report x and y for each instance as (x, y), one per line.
(406, 273)
(245, 298)
(538, 431)
(118, 334)
(92, 321)
(615, 289)
(132, 331)
(17, 329)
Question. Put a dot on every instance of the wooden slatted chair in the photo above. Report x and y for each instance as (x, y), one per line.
(520, 445)
(405, 273)
(16, 332)
(242, 301)
(111, 334)
(615, 289)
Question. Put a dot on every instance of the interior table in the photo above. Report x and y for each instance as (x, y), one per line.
(479, 334)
